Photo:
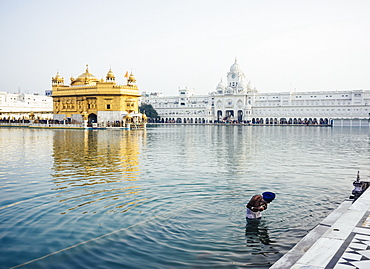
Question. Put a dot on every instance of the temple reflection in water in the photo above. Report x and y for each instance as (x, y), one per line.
(95, 166)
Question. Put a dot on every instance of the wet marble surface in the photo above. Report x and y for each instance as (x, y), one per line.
(342, 240)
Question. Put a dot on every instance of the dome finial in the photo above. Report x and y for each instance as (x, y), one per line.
(87, 68)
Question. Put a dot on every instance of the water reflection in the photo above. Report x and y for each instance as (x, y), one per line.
(256, 232)
(182, 190)
(99, 168)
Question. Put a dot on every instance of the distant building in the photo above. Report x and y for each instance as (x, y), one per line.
(184, 108)
(96, 100)
(18, 106)
(238, 100)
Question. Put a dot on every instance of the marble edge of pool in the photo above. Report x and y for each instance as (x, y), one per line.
(325, 243)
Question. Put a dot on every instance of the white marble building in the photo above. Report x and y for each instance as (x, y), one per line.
(186, 107)
(237, 100)
(19, 106)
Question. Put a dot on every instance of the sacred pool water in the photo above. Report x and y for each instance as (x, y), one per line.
(169, 196)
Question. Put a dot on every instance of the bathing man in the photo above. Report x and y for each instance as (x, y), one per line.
(257, 204)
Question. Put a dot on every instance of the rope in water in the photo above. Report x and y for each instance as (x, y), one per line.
(102, 236)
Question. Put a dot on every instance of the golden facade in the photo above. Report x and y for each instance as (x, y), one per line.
(98, 100)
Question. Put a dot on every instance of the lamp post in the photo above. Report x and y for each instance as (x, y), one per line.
(85, 118)
(357, 191)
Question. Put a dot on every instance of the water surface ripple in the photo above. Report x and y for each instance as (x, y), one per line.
(169, 196)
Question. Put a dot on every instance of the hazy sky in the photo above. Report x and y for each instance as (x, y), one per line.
(280, 45)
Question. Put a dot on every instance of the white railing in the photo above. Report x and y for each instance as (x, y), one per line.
(14, 124)
(70, 125)
(55, 125)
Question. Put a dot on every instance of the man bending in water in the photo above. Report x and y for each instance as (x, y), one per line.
(257, 204)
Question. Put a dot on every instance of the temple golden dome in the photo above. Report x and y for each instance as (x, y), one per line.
(57, 79)
(132, 78)
(110, 75)
(85, 78)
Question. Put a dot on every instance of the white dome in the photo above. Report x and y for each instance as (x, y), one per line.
(241, 86)
(235, 68)
(221, 85)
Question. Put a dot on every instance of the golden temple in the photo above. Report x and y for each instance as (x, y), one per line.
(96, 101)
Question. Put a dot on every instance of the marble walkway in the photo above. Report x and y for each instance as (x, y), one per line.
(340, 241)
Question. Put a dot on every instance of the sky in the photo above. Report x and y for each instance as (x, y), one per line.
(287, 45)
